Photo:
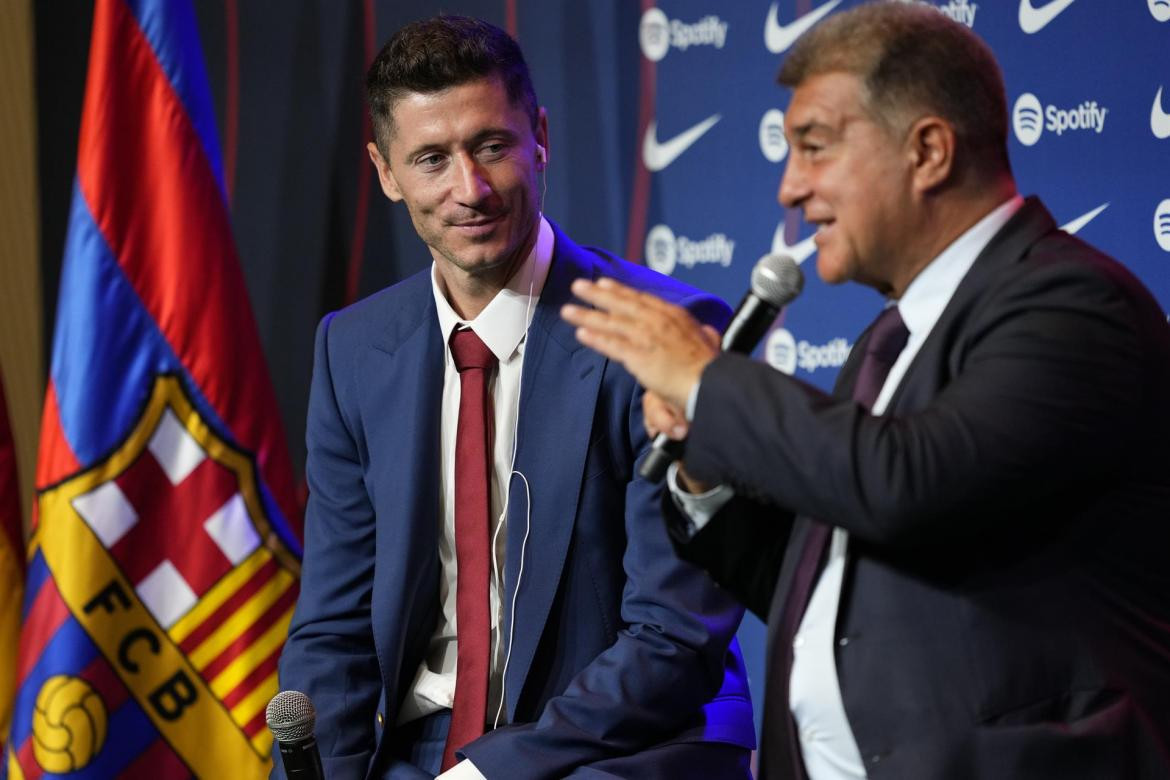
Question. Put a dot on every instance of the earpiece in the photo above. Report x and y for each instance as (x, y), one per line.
(541, 155)
(499, 576)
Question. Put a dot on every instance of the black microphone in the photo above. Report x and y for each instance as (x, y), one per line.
(776, 280)
(291, 718)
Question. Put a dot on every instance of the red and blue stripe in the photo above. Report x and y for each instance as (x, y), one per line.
(151, 282)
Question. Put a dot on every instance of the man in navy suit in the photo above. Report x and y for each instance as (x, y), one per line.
(963, 553)
(606, 657)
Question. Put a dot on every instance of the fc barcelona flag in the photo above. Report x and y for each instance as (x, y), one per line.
(162, 568)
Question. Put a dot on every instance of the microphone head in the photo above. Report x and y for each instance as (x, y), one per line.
(290, 716)
(777, 279)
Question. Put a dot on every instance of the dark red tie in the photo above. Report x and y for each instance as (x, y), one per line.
(886, 339)
(474, 362)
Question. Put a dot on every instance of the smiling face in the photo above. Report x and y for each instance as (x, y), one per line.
(465, 162)
(852, 178)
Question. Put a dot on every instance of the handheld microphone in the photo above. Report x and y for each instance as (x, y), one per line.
(776, 280)
(291, 718)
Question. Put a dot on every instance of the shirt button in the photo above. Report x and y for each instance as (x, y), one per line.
(807, 735)
(843, 641)
(798, 640)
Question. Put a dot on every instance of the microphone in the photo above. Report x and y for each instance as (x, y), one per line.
(776, 280)
(291, 718)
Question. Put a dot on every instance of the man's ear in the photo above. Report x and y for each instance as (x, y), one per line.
(385, 175)
(931, 150)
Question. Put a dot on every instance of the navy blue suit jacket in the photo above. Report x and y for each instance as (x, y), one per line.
(618, 645)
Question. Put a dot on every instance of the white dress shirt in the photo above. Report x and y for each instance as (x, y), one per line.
(502, 326)
(826, 740)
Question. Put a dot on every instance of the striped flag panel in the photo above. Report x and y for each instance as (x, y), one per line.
(163, 564)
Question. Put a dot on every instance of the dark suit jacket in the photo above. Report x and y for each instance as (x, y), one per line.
(617, 645)
(1006, 605)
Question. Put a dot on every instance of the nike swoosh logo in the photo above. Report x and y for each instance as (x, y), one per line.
(1033, 19)
(800, 251)
(778, 37)
(656, 156)
(1159, 119)
(1072, 227)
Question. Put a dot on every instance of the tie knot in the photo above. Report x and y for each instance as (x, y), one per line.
(468, 351)
(888, 336)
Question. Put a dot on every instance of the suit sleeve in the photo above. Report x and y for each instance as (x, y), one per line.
(329, 654)
(1043, 395)
(667, 662)
(741, 548)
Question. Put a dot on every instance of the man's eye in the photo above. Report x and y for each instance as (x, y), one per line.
(493, 151)
(431, 161)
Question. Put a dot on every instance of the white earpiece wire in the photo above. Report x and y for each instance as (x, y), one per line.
(504, 512)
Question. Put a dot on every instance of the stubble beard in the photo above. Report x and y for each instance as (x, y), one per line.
(487, 275)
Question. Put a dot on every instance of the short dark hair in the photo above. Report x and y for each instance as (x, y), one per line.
(911, 58)
(445, 51)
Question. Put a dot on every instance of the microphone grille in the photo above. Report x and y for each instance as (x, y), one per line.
(290, 716)
(777, 279)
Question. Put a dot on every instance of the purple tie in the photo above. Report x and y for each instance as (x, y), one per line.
(887, 336)
(886, 339)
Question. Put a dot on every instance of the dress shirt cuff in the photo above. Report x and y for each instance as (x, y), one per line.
(464, 770)
(697, 508)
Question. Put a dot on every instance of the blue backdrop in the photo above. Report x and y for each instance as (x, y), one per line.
(1090, 134)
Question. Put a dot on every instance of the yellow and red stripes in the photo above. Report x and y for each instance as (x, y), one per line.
(233, 639)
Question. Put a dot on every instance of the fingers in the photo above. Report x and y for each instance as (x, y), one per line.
(608, 340)
(660, 416)
(659, 343)
(621, 311)
(618, 299)
(713, 337)
(596, 320)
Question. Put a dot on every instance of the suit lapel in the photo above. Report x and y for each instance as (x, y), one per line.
(1025, 228)
(557, 401)
(401, 415)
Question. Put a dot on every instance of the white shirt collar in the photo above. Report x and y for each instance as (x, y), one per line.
(930, 292)
(504, 321)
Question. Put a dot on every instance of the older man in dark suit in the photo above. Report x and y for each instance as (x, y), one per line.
(963, 553)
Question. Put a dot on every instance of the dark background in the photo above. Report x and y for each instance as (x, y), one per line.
(312, 226)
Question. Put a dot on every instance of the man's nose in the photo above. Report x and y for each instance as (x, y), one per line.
(793, 185)
(471, 183)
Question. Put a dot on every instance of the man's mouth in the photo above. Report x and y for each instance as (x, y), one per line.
(823, 226)
(478, 226)
(477, 219)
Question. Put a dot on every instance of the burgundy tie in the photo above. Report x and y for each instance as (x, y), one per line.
(474, 362)
(886, 339)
